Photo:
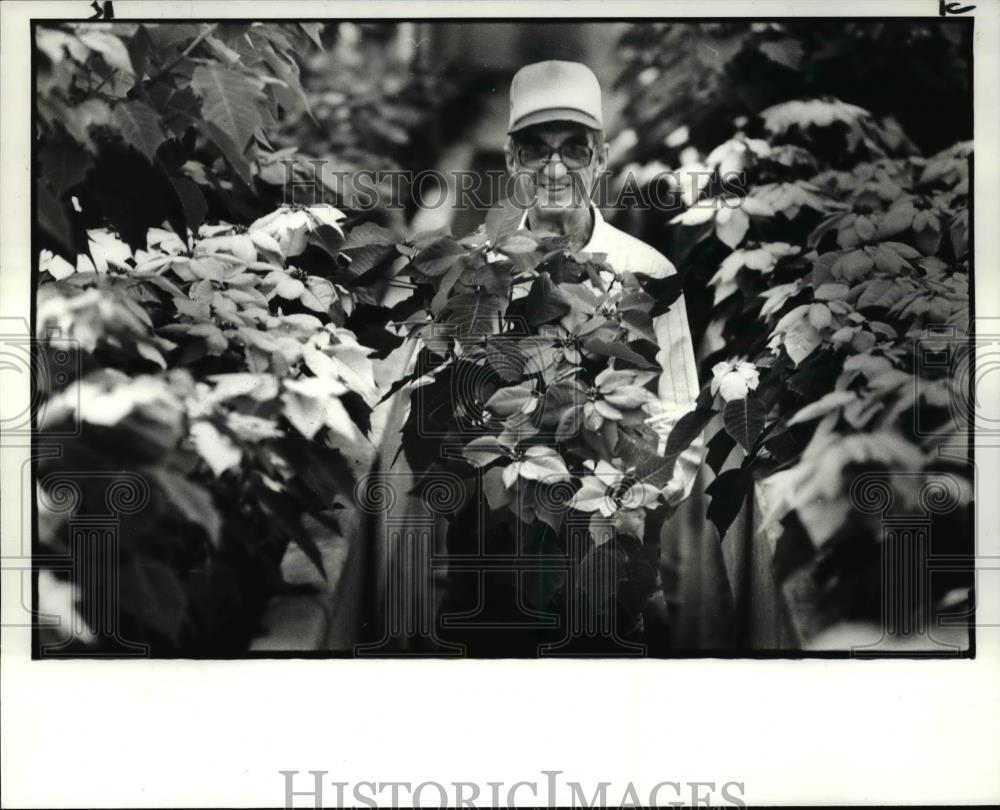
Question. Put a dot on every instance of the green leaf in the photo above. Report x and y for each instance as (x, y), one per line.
(293, 96)
(542, 583)
(640, 323)
(52, 218)
(497, 494)
(744, 420)
(638, 451)
(474, 314)
(140, 126)
(545, 302)
(152, 595)
(110, 47)
(329, 240)
(508, 401)
(801, 340)
(314, 31)
(482, 451)
(217, 449)
(368, 233)
(727, 492)
(665, 292)
(368, 258)
(437, 258)
(229, 101)
(445, 286)
(503, 220)
(787, 52)
(619, 350)
(506, 359)
(230, 151)
(687, 429)
(719, 448)
(880, 292)
(193, 501)
(192, 201)
(958, 231)
(543, 464)
(517, 244)
(64, 164)
(731, 227)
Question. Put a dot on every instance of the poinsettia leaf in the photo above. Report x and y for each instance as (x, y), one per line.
(744, 420)
(314, 31)
(474, 314)
(192, 500)
(508, 401)
(719, 448)
(548, 468)
(639, 451)
(330, 241)
(229, 101)
(482, 451)
(368, 233)
(733, 228)
(151, 594)
(445, 286)
(217, 449)
(727, 492)
(367, 259)
(503, 220)
(665, 292)
(545, 302)
(618, 350)
(801, 340)
(496, 492)
(687, 429)
(140, 127)
(506, 359)
(227, 146)
(438, 258)
(639, 322)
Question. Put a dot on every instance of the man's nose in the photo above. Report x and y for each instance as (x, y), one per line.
(555, 169)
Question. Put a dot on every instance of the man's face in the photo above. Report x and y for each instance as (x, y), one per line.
(562, 161)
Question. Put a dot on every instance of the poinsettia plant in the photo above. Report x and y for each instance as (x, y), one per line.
(826, 285)
(220, 377)
(534, 382)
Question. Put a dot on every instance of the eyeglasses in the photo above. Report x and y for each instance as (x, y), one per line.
(574, 155)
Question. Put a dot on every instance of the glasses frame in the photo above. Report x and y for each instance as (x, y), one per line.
(555, 150)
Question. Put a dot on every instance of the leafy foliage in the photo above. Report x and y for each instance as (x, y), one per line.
(534, 383)
(215, 360)
(141, 124)
(218, 372)
(830, 268)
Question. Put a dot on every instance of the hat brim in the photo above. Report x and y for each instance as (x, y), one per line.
(556, 114)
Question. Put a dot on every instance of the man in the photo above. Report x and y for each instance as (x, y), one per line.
(556, 143)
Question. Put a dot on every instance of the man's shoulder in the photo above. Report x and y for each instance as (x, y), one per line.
(642, 258)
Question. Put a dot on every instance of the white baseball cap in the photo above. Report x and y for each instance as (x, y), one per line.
(555, 91)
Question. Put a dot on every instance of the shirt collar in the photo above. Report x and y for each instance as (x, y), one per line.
(598, 234)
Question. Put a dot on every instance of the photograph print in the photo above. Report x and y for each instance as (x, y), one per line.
(502, 338)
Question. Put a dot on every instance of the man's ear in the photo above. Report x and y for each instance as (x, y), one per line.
(508, 155)
(602, 157)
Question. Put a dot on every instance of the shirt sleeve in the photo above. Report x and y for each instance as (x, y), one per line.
(678, 390)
